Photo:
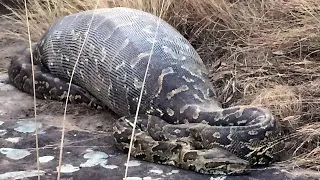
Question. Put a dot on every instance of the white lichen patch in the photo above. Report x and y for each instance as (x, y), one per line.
(144, 178)
(156, 171)
(95, 155)
(68, 168)
(110, 166)
(150, 178)
(27, 126)
(21, 174)
(134, 178)
(172, 172)
(15, 154)
(13, 139)
(3, 132)
(218, 178)
(45, 159)
(95, 158)
(133, 163)
(6, 87)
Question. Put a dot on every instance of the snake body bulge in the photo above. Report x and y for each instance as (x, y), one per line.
(181, 123)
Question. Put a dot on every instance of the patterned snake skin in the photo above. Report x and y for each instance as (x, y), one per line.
(180, 122)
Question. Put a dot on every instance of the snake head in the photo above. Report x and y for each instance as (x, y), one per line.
(214, 161)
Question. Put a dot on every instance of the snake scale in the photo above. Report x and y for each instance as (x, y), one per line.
(180, 121)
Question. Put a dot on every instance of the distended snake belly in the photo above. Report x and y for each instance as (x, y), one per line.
(180, 122)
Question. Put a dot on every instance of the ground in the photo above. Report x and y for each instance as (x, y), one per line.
(89, 151)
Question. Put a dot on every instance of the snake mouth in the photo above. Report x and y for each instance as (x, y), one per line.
(214, 161)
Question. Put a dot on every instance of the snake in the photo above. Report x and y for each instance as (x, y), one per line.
(123, 58)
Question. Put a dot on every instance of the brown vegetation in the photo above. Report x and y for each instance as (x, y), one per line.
(260, 52)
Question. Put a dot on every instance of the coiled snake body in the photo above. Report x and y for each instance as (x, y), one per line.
(180, 123)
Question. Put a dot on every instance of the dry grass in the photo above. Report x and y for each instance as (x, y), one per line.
(261, 52)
